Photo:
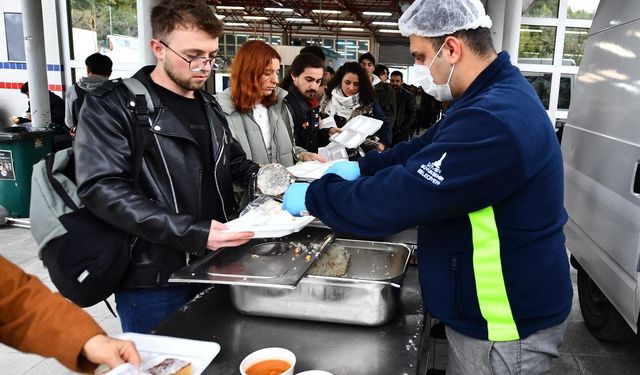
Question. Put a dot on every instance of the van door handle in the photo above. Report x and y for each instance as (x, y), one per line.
(636, 179)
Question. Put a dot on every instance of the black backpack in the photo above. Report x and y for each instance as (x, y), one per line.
(86, 257)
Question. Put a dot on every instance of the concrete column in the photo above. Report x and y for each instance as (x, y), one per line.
(145, 34)
(36, 62)
(495, 10)
(512, 20)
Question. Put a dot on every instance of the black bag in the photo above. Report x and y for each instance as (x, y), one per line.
(88, 262)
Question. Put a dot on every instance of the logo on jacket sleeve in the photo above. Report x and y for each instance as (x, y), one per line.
(432, 172)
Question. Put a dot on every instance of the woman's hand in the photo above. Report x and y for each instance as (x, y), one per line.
(102, 349)
(381, 147)
(334, 130)
(311, 156)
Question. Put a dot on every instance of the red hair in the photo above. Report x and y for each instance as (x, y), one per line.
(249, 64)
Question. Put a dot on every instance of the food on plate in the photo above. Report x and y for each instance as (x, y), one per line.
(333, 262)
(264, 212)
(171, 366)
(268, 367)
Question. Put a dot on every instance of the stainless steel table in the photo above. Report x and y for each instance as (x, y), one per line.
(398, 347)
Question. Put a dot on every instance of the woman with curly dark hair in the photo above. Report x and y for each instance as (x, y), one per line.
(348, 95)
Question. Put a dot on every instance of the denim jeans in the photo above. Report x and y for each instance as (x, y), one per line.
(141, 310)
(532, 355)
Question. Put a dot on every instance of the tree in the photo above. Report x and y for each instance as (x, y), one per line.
(105, 17)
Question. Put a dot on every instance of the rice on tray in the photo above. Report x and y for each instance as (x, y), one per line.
(333, 262)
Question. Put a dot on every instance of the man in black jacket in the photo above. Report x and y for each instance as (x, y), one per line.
(177, 207)
(384, 92)
(61, 137)
(406, 113)
(306, 74)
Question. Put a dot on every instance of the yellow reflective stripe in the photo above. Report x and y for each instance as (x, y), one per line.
(487, 267)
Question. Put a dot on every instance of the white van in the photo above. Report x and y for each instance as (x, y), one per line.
(541, 83)
(601, 151)
(122, 48)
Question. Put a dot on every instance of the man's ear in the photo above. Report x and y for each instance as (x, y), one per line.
(453, 49)
(157, 48)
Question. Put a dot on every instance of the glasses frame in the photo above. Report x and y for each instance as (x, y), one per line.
(216, 63)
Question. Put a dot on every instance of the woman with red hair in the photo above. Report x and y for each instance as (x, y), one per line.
(254, 107)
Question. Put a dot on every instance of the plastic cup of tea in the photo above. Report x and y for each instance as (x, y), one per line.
(266, 356)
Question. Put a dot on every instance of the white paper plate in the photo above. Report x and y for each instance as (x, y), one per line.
(310, 170)
(154, 349)
(356, 131)
(274, 231)
(267, 219)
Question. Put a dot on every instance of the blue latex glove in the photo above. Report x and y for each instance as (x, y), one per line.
(293, 200)
(349, 170)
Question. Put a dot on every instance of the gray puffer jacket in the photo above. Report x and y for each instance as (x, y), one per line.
(247, 131)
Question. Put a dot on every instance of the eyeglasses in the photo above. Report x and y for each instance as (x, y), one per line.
(196, 64)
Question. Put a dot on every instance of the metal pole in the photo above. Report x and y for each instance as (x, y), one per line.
(65, 38)
(512, 20)
(36, 63)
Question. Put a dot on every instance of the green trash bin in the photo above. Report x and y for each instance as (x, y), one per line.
(20, 148)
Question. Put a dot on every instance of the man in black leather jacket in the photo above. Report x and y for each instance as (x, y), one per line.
(185, 190)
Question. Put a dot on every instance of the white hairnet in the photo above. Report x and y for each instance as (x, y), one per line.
(433, 18)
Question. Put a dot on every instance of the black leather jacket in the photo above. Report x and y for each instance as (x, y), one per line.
(158, 210)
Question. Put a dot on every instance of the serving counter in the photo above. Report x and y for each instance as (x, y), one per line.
(397, 347)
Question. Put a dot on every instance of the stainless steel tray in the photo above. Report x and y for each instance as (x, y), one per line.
(366, 295)
(275, 263)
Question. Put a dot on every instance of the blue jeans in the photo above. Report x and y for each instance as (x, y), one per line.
(531, 355)
(141, 310)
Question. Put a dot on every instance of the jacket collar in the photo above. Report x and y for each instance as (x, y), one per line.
(165, 122)
(294, 95)
(226, 103)
(485, 78)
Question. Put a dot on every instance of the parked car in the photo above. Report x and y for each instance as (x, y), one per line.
(601, 151)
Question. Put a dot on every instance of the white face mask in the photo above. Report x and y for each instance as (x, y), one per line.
(442, 92)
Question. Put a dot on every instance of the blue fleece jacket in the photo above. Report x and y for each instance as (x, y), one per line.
(485, 188)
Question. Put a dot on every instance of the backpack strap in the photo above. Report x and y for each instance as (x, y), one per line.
(57, 186)
(137, 88)
(142, 107)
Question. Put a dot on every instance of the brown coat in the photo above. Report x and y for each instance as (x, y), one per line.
(35, 320)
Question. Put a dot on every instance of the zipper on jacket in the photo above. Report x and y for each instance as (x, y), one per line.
(456, 286)
(173, 191)
(215, 171)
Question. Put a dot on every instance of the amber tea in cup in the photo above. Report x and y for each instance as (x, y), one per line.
(269, 367)
(269, 361)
